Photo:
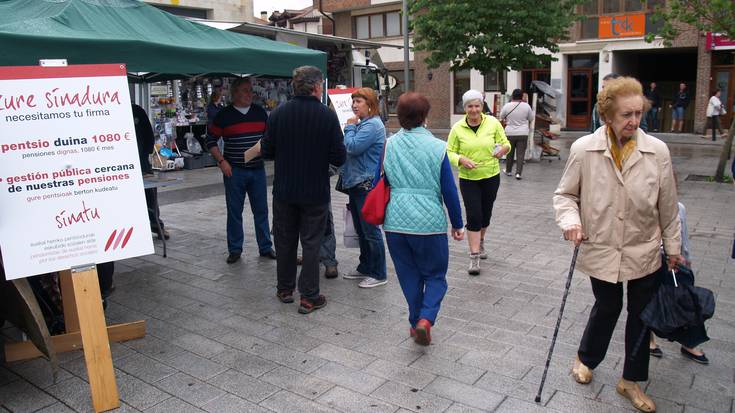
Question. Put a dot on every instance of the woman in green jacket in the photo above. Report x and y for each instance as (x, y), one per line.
(474, 145)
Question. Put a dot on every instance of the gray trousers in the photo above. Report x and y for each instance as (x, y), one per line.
(518, 149)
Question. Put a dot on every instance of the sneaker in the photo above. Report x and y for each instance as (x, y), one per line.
(656, 352)
(269, 254)
(691, 356)
(331, 272)
(483, 254)
(308, 305)
(355, 275)
(423, 332)
(233, 257)
(371, 282)
(474, 268)
(285, 296)
(518, 176)
(509, 173)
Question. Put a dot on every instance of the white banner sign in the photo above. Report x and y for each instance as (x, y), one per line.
(342, 104)
(71, 189)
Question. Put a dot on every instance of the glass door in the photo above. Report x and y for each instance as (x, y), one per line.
(721, 80)
(579, 98)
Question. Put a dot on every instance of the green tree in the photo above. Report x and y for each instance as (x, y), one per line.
(717, 16)
(490, 36)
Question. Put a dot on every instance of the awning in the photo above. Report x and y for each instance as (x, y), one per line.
(143, 37)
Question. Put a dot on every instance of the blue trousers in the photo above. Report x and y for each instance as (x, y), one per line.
(250, 182)
(372, 250)
(327, 251)
(421, 263)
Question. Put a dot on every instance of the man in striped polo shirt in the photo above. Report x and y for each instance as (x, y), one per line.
(241, 125)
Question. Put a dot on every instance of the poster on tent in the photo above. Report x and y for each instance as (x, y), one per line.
(71, 190)
(342, 103)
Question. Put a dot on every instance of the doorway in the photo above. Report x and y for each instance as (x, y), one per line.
(579, 98)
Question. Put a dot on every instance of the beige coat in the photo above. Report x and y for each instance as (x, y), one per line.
(624, 215)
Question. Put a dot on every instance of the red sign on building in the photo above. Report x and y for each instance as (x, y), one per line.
(716, 41)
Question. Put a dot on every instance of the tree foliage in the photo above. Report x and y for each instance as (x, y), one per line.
(490, 36)
(716, 16)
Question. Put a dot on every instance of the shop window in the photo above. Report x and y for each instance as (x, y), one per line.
(633, 5)
(362, 27)
(652, 4)
(378, 25)
(396, 92)
(393, 24)
(493, 80)
(590, 28)
(611, 6)
(461, 85)
(590, 8)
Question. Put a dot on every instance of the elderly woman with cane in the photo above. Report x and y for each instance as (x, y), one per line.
(617, 198)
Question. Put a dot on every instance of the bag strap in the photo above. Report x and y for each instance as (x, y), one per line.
(511, 111)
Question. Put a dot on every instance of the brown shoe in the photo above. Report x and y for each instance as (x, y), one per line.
(331, 272)
(581, 373)
(632, 391)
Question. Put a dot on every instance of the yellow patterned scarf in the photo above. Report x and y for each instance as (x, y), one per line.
(619, 154)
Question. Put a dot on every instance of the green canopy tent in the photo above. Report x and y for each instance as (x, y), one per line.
(146, 39)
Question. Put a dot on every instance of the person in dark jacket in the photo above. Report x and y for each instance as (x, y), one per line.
(678, 107)
(146, 142)
(655, 98)
(303, 137)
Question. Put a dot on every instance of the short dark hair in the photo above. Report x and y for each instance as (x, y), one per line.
(517, 94)
(306, 79)
(412, 110)
(611, 76)
(239, 82)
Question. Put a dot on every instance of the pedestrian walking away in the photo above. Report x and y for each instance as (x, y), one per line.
(241, 125)
(419, 174)
(715, 109)
(475, 144)
(655, 98)
(617, 197)
(364, 142)
(517, 115)
(303, 137)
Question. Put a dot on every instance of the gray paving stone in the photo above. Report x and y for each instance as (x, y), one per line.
(190, 389)
(73, 392)
(288, 402)
(341, 355)
(346, 400)
(303, 362)
(495, 364)
(244, 386)
(513, 405)
(352, 379)
(450, 369)
(292, 339)
(566, 402)
(405, 375)
(6, 376)
(194, 365)
(247, 363)
(37, 371)
(461, 408)
(297, 382)
(144, 368)
(174, 405)
(137, 393)
(21, 396)
(54, 408)
(411, 399)
(198, 344)
(465, 394)
(154, 347)
(229, 403)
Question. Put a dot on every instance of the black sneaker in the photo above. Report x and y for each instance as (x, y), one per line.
(699, 359)
(656, 352)
(270, 254)
(308, 305)
(331, 272)
(285, 296)
(233, 257)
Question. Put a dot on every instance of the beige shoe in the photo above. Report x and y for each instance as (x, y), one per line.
(474, 268)
(581, 373)
(633, 392)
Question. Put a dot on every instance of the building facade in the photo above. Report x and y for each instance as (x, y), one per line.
(222, 10)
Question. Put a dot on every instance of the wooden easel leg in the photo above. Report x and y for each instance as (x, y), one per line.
(71, 318)
(96, 343)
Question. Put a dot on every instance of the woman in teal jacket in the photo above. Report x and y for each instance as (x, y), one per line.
(418, 172)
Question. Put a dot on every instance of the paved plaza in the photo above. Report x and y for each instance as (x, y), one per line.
(219, 341)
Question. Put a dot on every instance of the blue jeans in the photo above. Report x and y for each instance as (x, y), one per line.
(653, 119)
(677, 113)
(372, 250)
(327, 251)
(250, 182)
(421, 263)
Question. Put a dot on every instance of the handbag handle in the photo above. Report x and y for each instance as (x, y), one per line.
(673, 275)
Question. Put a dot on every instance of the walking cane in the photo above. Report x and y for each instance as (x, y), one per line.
(558, 322)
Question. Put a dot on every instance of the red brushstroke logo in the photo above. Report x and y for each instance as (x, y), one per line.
(119, 238)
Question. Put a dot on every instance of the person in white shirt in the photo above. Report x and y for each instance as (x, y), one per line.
(715, 108)
(517, 115)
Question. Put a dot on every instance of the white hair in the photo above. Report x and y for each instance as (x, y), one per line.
(471, 96)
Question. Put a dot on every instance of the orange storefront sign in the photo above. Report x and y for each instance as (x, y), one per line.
(626, 25)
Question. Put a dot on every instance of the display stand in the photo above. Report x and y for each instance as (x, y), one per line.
(85, 329)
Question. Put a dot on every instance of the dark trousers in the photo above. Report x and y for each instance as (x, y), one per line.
(604, 316)
(714, 122)
(372, 249)
(293, 223)
(421, 263)
(153, 212)
(518, 148)
(479, 197)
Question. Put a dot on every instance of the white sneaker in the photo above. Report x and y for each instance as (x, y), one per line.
(483, 254)
(371, 282)
(355, 275)
(474, 268)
